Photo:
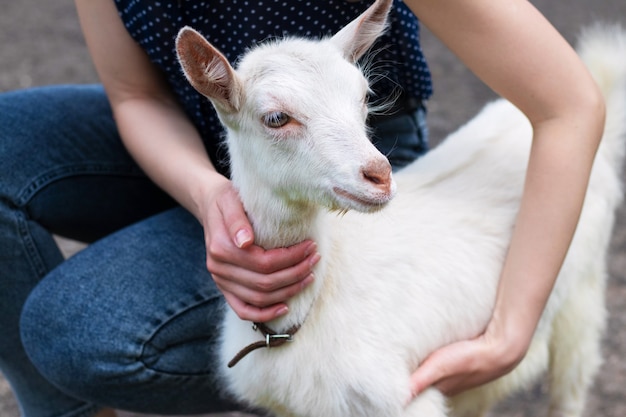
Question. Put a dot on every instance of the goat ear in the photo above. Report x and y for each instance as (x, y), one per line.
(208, 71)
(360, 34)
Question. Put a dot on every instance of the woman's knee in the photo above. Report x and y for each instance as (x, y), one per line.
(118, 353)
(403, 137)
(120, 312)
(61, 342)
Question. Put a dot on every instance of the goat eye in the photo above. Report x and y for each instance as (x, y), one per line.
(276, 119)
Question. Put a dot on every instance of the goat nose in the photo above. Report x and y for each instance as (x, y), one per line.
(378, 173)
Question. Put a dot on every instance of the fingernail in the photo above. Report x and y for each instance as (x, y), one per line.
(310, 249)
(242, 237)
(282, 311)
(315, 259)
(308, 280)
(410, 398)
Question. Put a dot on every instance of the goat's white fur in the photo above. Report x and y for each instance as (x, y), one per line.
(395, 284)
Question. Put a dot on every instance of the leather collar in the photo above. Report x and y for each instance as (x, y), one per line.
(272, 339)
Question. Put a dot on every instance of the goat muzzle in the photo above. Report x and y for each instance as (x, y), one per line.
(378, 174)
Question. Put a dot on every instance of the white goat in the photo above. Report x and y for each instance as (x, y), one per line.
(399, 277)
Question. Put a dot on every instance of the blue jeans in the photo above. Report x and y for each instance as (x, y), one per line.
(131, 321)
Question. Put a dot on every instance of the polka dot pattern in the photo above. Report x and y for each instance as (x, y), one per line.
(235, 25)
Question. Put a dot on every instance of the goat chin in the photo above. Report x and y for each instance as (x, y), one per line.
(415, 272)
(364, 204)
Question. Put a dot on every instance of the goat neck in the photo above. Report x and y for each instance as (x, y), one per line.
(279, 217)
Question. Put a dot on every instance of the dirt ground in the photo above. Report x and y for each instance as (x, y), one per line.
(40, 43)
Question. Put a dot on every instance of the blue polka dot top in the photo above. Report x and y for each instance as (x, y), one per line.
(235, 25)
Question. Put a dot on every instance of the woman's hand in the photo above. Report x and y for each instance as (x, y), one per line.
(467, 364)
(255, 282)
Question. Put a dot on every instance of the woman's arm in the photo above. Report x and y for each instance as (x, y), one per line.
(514, 50)
(167, 146)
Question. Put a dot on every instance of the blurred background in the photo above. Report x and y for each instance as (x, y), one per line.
(41, 43)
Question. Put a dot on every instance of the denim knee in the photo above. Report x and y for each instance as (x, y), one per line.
(61, 345)
(171, 357)
(132, 321)
(402, 138)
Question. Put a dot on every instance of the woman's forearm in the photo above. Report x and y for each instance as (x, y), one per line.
(168, 148)
(567, 113)
(155, 130)
(558, 172)
(557, 177)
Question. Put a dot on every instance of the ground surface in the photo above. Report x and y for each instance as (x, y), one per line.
(40, 43)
